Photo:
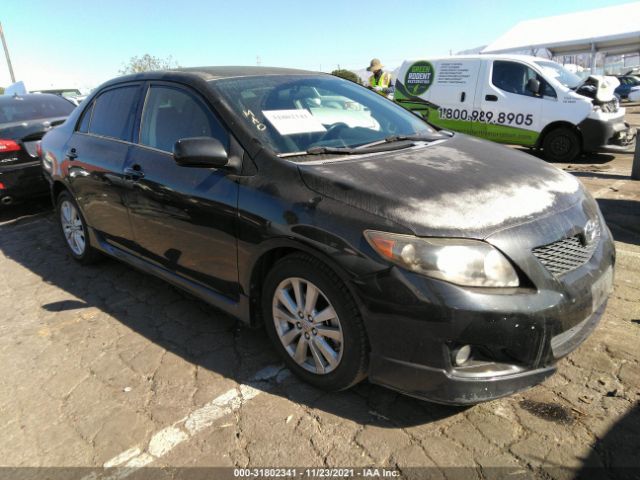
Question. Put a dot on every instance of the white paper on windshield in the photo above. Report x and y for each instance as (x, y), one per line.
(290, 122)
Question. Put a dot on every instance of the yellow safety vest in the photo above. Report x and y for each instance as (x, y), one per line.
(384, 81)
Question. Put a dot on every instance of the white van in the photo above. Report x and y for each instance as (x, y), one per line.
(517, 99)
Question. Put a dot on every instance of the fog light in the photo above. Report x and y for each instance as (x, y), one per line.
(461, 355)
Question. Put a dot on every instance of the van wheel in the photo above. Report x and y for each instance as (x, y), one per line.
(561, 145)
(314, 323)
(74, 230)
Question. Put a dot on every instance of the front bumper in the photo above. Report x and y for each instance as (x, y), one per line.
(22, 182)
(517, 335)
(456, 387)
(601, 135)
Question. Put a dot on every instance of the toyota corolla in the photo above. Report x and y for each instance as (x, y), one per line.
(368, 243)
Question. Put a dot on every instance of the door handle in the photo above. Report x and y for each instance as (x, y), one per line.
(491, 98)
(72, 154)
(133, 173)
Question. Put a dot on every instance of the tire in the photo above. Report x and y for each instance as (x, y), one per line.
(562, 145)
(73, 229)
(343, 333)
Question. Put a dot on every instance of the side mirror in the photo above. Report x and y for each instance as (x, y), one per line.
(203, 152)
(533, 85)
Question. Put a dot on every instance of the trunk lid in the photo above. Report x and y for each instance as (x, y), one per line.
(26, 134)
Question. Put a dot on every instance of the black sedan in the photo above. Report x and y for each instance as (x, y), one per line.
(365, 241)
(24, 119)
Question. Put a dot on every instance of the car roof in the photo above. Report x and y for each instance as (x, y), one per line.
(494, 56)
(217, 73)
(27, 96)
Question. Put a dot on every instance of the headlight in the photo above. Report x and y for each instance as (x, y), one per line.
(464, 262)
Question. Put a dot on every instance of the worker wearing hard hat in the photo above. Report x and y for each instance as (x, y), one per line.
(380, 81)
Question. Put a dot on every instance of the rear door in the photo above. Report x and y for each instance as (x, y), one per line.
(95, 158)
(506, 111)
(184, 218)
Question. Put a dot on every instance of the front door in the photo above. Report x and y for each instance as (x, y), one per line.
(507, 111)
(184, 218)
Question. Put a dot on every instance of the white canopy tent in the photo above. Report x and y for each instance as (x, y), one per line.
(611, 30)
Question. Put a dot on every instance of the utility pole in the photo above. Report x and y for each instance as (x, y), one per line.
(6, 54)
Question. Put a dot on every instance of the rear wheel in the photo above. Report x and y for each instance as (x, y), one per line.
(74, 230)
(314, 323)
(561, 144)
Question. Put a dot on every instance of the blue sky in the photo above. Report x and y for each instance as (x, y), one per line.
(84, 43)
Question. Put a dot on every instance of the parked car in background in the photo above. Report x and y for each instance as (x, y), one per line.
(24, 119)
(72, 94)
(367, 243)
(634, 95)
(628, 83)
(63, 92)
(517, 100)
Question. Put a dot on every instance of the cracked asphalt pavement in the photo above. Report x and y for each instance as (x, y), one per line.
(106, 366)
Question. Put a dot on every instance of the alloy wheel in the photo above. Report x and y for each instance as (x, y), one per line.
(307, 325)
(72, 227)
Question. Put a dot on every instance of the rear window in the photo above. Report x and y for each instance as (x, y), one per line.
(33, 107)
(114, 113)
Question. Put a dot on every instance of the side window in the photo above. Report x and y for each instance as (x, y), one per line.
(545, 89)
(83, 126)
(173, 113)
(512, 77)
(114, 113)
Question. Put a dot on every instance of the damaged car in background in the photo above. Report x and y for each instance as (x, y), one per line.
(517, 100)
(364, 240)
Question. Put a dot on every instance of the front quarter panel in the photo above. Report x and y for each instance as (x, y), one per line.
(274, 216)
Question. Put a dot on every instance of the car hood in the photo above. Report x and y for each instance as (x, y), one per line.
(461, 186)
(599, 87)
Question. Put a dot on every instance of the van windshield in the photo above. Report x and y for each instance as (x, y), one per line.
(294, 113)
(561, 74)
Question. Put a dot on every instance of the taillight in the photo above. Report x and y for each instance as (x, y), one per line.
(8, 146)
(39, 149)
(2, 187)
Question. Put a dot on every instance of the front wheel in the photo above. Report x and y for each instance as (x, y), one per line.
(314, 323)
(561, 145)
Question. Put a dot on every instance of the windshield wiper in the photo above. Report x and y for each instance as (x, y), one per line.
(332, 150)
(418, 137)
(361, 150)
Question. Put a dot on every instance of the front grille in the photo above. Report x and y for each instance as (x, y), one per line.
(567, 254)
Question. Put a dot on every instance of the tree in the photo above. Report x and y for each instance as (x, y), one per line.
(348, 75)
(146, 63)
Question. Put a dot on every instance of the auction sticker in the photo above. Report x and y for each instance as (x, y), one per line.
(290, 122)
(419, 78)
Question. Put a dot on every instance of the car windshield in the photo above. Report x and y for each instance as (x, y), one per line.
(561, 74)
(293, 113)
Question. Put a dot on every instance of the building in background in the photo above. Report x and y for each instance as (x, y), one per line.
(604, 40)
